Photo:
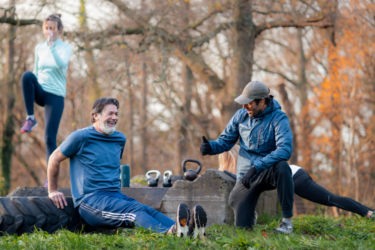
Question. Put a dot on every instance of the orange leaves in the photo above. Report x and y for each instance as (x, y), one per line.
(264, 234)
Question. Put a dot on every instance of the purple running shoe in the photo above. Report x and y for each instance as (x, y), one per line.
(28, 125)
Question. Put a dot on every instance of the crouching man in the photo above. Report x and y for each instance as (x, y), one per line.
(95, 153)
(265, 146)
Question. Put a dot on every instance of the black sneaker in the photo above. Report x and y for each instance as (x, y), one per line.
(197, 222)
(182, 220)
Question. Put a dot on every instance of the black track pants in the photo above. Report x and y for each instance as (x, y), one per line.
(305, 187)
(53, 108)
(243, 200)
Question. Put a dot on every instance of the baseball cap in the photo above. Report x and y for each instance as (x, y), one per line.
(253, 90)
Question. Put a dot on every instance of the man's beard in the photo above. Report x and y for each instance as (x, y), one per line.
(104, 126)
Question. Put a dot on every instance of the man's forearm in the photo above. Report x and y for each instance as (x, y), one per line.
(53, 173)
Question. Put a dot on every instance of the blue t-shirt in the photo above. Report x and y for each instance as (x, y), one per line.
(94, 162)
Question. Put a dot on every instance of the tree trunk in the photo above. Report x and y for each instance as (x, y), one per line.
(130, 113)
(305, 138)
(7, 141)
(183, 142)
(288, 108)
(144, 117)
(243, 32)
(187, 78)
(92, 72)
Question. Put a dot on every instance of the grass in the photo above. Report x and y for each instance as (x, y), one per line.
(310, 232)
(139, 179)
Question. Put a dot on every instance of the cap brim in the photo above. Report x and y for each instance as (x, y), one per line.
(243, 100)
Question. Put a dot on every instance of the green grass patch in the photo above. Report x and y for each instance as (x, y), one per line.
(310, 232)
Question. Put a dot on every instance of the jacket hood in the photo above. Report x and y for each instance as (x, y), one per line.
(272, 106)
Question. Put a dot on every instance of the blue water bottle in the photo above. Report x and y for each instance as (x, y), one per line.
(125, 176)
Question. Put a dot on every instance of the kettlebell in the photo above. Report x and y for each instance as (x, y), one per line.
(191, 174)
(167, 178)
(153, 182)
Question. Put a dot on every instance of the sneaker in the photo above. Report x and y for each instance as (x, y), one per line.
(181, 228)
(197, 222)
(255, 217)
(285, 228)
(28, 125)
(372, 217)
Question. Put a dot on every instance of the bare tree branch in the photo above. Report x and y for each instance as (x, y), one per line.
(309, 5)
(208, 16)
(199, 67)
(211, 34)
(20, 22)
(315, 21)
(280, 44)
(268, 12)
(130, 13)
(111, 31)
(277, 73)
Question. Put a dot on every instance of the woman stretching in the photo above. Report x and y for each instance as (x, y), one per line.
(46, 86)
(304, 186)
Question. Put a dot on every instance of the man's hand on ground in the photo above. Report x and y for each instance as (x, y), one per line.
(58, 199)
(205, 146)
(248, 176)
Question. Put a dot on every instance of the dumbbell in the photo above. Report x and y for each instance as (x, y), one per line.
(153, 182)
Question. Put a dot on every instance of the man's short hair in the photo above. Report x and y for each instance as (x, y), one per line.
(267, 100)
(99, 104)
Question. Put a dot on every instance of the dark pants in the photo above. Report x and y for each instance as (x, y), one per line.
(305, 187)
(243, 200)
(53, 108)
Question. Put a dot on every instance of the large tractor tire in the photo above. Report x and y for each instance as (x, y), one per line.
(20, 215)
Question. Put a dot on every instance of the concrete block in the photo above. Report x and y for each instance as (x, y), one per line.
(149, 196)
(210, 190)
(268, 203)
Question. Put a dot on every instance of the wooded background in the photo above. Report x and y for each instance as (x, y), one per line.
(176, 67)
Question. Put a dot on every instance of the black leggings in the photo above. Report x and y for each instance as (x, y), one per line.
(305, 187)
(243, 201)
(53, 108)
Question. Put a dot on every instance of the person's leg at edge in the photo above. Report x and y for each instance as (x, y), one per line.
(306, 188)
(243, 202)
(32, 92)
(53, 110)
(102, 210)
(158, 216)
(285, 190)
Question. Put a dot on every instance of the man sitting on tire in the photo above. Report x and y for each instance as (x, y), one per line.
(95, 153)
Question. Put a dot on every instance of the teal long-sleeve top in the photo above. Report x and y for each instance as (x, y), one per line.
(51, 65)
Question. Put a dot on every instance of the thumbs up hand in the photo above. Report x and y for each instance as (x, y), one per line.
(205, 146)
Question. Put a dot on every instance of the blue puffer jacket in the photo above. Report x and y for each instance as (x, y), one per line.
(265, 139)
